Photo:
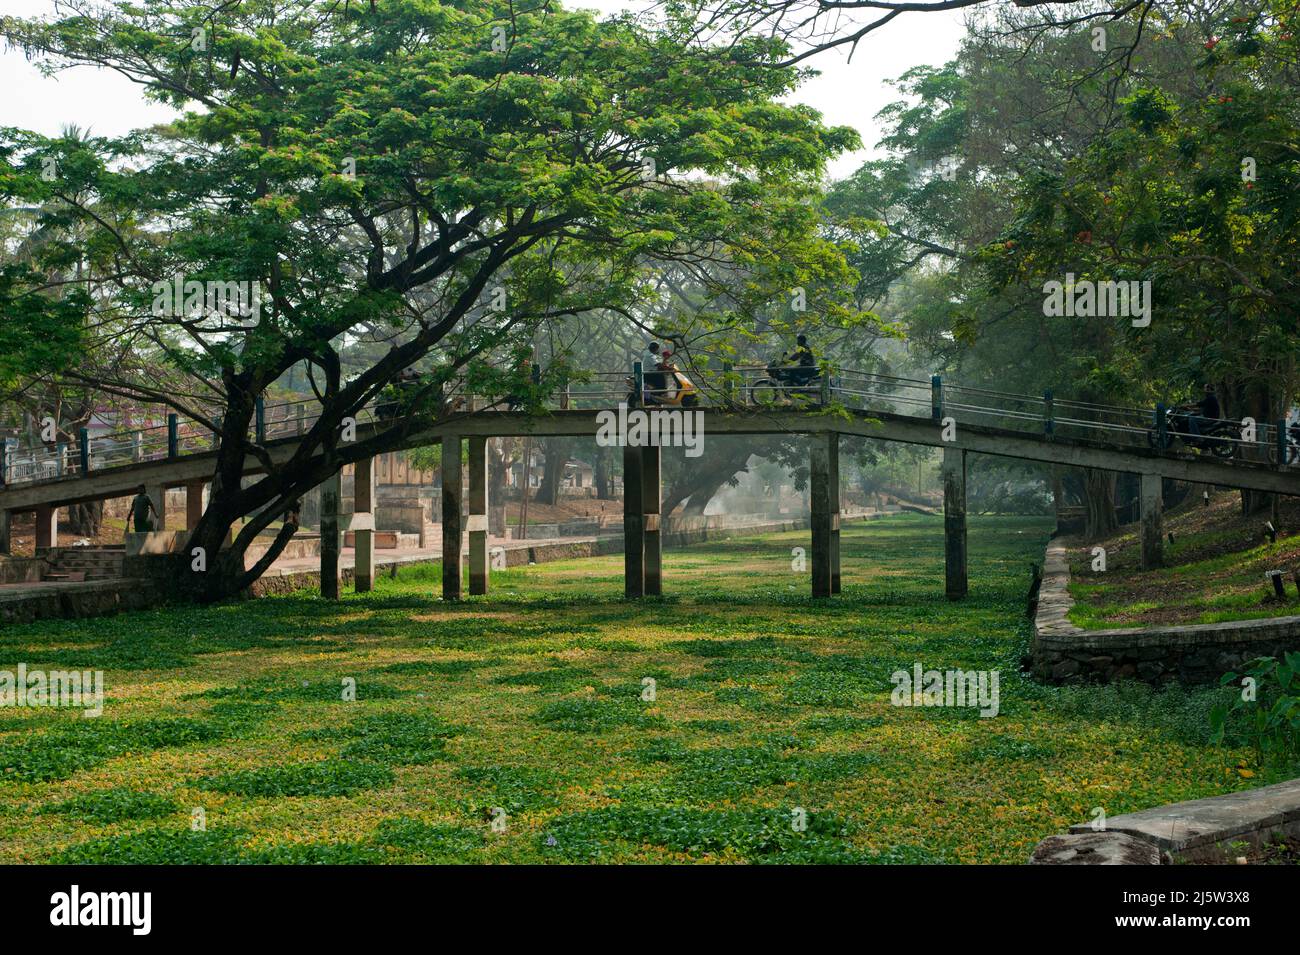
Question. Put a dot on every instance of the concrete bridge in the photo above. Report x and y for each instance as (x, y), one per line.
(957, 420)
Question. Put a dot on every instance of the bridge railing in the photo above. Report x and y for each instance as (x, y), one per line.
(592, 391)
(28, 465)
(727, 386)
(891, 394)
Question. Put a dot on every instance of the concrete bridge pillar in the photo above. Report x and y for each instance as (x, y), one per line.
(331, 491)
(478, 516)
(824, 453)
(954, 523)
(47, 527)
(6, 541)
(158, 494)
(451, 522)
(651, 499)
(309, 515)
(196, 502)
(1151, 500)
(363, 525)
(833, 450)
(633, 523)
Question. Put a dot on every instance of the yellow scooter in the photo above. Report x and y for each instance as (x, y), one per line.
(681, 394)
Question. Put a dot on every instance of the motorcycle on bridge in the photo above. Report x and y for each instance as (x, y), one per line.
(794, 384)
(1219, 437)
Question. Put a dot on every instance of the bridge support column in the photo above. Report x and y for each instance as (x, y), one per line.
(330, 494)
(954, 523)
(823, 511)
(651, 497)
(196, 502)
(478, 516)
(1151, 499)
(363, 525)
(451, 511)
(633, 524)
(158, 494)
(47, 527)
(6, 541)
(833, 450)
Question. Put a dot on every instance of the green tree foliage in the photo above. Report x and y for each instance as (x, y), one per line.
(381, 171)
(38, 333)
(1043, 152)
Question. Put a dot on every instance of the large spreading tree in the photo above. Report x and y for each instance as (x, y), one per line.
(440, 177)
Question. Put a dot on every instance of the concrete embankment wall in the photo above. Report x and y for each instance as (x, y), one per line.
(138, 592)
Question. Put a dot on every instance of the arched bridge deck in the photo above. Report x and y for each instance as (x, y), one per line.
(892, 409)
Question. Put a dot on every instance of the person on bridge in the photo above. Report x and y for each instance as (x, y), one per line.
(653, 380)
(143, 512)
(667, 378)
(1207, 411)
(803, 360)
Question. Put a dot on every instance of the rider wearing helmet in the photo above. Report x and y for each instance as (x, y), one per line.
(803, 360)
(1208, 412)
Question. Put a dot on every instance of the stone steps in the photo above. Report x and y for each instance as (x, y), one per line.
(88, 563)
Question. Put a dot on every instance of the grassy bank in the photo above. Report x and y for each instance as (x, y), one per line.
(1214, 570)
(526, 707)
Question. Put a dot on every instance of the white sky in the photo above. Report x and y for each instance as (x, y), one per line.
(847, 94)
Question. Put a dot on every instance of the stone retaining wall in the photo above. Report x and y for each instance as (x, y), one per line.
(97, 598)
(22, 570)
(138, 591)
(1189, 654)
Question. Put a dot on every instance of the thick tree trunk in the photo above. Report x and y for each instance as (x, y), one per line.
(1058, 495)
(221, 572)
(1099, 503)
(697, 483)
(500, 459)
(602, 477)
(1256, 400)
(556, 452)
(700, 499)
(86, 519)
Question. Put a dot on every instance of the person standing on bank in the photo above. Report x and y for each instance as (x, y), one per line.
(143, 512)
